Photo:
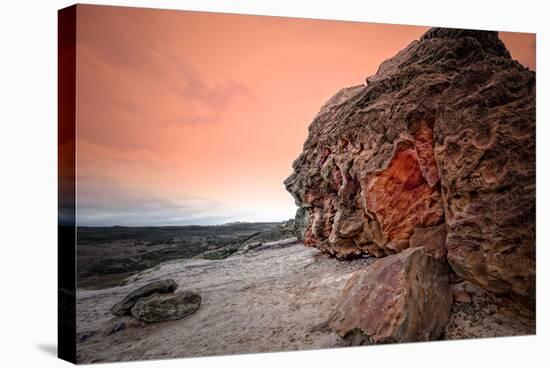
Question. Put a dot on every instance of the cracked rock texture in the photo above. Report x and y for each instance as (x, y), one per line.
(438, 146)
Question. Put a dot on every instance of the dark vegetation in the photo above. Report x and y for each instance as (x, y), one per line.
(107, 255)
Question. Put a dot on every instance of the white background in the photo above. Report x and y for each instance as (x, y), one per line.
(28, 179)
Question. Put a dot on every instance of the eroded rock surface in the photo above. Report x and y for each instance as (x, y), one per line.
(404, 297)
(442, 134)
(166, 307)
(156, 287)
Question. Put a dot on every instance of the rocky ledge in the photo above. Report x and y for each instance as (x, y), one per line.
(436, 150)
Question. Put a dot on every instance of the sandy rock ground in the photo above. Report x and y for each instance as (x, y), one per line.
(274, 298)
(484, 314)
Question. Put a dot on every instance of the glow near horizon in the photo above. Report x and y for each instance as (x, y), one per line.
(195, 118)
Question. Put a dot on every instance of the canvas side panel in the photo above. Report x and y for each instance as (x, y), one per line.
(66, 247)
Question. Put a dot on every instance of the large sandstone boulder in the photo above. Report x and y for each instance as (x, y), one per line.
(156, 287)
(443, 133)
(404, 297)
(166, 307)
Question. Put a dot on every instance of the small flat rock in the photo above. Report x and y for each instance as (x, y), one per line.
(83, 336)
(166, 307)
(462, 296)
(156, 287)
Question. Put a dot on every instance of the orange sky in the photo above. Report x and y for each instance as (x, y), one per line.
(195, 118)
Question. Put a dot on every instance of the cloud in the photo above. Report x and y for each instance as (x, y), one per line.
(103, 202)
(134, 85)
